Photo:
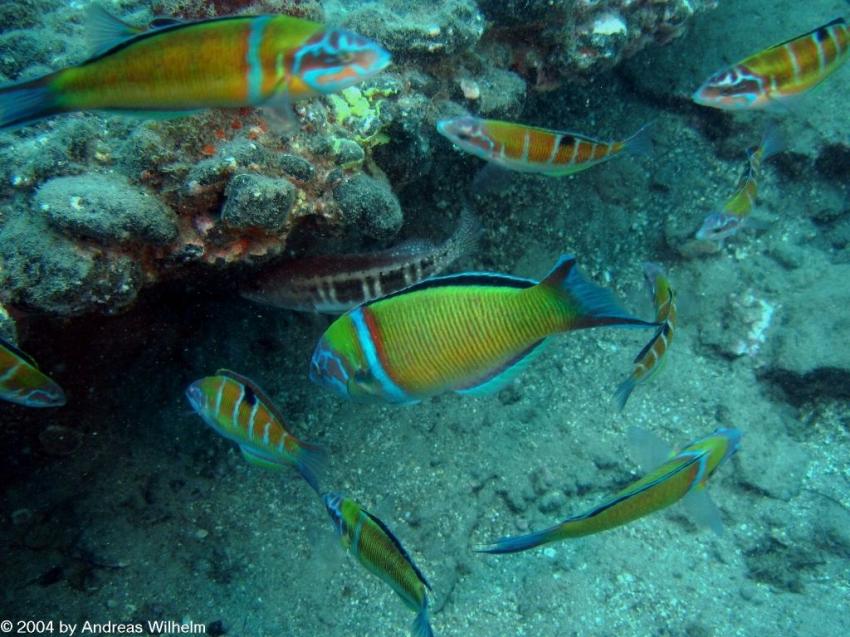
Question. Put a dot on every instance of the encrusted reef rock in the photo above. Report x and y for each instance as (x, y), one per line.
(105, 209)
(95, 207)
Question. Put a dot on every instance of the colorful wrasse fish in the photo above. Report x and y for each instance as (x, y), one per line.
(469, 333)
(335, 284)
(536, 150)
(23, 383)
(379, 551)
(722, 224)
(651, 358)
(176, 67)
(779, 74)
(239, 410)
(680, 476)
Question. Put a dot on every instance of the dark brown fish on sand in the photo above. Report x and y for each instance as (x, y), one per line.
(336, 283)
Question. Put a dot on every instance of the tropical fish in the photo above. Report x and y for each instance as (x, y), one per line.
(651, 358)
(179, 67)
(776, 76)
(536, 150)
(379, 551)
(239, 410)
(722, 224)
(23, 383)
(680, 476)
(469, 333)
(334, 284)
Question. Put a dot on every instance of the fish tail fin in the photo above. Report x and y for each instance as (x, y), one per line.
(624, 390)
(772, 141)
(27, 102)
(421, 624)
(585, 304)
(466, 237)
(641, 142)
(517, 543)
(310, 462)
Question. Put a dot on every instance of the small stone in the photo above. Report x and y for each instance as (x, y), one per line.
(297, 167)
(256, 201)
(201, 534)
(107, 209)
(60, 441)
(551, 502)
(370, 204)
(21, 517)
(349, 153)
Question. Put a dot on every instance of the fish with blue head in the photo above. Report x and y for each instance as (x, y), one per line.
(178, 67)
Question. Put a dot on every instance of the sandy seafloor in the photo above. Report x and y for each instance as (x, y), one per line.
(157, 517)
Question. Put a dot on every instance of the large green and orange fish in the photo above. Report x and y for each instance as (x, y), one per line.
(180, 67)
(23, 383)
(379, 551)
(682, 475)
(468, 333)
(235, 407)
(651, 358)
(530, 149)
(781, 73)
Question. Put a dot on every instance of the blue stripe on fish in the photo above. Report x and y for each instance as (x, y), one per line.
(252, 58)
(370, 352)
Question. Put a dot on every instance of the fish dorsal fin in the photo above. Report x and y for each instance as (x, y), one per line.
(17, 352)
(104, 31)
(831, 23)
(462, 279)
(258, 392)
(649, 450)
(398, 545)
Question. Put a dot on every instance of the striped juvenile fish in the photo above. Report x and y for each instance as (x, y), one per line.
(379, 551)
(683, 475)
(651, 358)
(468, 333)
(719, 226)
(779, 74)
(335, 284)
(530, 149)
(23, 383)
(176, 67)
(239, 410)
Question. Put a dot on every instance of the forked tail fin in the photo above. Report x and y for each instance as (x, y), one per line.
(586, 304)
(310, 463)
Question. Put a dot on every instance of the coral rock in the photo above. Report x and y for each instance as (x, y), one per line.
(256, 201)
(369, 204)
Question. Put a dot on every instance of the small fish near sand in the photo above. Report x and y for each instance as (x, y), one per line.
(178, 67)
(530, 149)
(23, 383)
(652, 357)
(734, 214)
(235, 407)
(779, 75)
(679, 476)
(335, 284)
(469, 333)
(376, 547)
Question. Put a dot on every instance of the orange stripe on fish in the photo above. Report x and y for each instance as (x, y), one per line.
(781, 72)
(536, 150)
(238, 409)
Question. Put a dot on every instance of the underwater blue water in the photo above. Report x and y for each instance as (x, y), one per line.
(499, 447)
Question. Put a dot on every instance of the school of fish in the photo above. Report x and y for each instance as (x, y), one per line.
(404, 335)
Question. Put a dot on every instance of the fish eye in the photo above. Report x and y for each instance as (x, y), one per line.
(346, 57)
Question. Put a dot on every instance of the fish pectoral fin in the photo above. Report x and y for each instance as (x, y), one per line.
(504, 376)
(648, 450)
(104, 31)
(702, 510)
(258, 461)
(278, 109)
